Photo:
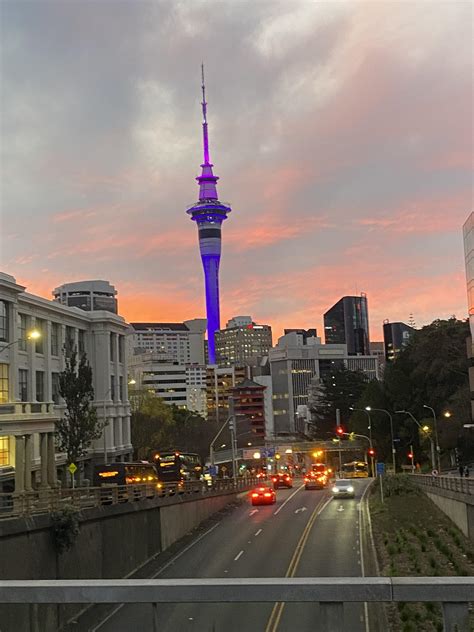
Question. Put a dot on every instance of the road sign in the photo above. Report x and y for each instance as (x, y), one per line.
(380, 468)
(213, 470)
(72, 468)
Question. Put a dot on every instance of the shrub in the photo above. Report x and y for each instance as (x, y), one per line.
(65, 528)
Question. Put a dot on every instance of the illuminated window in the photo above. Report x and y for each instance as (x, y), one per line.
(4, 451)
(3, 383)
(39, 342)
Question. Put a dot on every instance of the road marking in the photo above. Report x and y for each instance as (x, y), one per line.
(259, 532)
(340, 508)
(254, 511)
(158, 572)
(287, 500)
(277, 611)
(361, 561)
(301, 509)
(237, 556)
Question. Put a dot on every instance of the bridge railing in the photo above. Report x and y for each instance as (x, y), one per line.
(461, 485)
(453, 593)
(48, 500)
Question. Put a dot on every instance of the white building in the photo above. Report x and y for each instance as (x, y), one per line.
(242, 342)
(178, 342)
(29, 383)
(87, 295)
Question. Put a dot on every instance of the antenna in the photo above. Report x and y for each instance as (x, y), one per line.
(204, 119)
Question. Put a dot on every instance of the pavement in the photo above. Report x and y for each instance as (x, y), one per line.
(307, 533)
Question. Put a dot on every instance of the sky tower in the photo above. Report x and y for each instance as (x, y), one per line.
(209, 214)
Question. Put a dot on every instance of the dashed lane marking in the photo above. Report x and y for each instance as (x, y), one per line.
(237, 556)
(287, 500)
(259, 532)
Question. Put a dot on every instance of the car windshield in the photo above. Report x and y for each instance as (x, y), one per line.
(342, 483)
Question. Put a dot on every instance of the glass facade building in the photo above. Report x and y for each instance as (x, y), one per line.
(347, 322)
(395, 336)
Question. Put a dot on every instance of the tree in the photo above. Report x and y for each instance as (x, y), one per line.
(151, 424)
(79, 426)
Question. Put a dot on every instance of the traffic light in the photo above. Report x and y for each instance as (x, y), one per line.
(371, 452)
(232, 423)
(339, 431)
(410, 455)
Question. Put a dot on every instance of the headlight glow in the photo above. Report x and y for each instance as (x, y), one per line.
(335, 489)
(350, 489)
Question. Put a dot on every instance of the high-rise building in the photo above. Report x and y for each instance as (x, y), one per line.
(347, 322)
(209, 213)
(242, 342)
(181, 343)
(219, 381)
(378, 349)
(249, 407)
(87, 295)
(395, 336)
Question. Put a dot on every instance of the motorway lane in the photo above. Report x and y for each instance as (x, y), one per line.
(332, 550)
(249, 543)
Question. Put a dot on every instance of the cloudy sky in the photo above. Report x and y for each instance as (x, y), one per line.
(341, 132)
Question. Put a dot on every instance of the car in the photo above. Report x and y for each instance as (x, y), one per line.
(263, 496)
(343, 488)
(282, 479)
(312, 480)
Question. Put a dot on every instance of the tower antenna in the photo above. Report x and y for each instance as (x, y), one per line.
(205, 137)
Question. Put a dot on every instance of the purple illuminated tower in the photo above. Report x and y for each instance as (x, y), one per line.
(209, 214)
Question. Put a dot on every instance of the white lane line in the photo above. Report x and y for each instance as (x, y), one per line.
(287, 500)
(237, 556)
(259, 532)
(158, 572)
(362, 561)
(254, 511)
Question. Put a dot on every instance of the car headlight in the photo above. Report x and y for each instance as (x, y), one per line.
(335, 489)
(350, 489)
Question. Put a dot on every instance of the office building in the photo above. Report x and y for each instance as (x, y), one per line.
(181, 343)
(347, 322)
(242, 341)
(249, 408)
(303, 334)
(88, 295)
(219, 382)
(209, 213)
(30, 402)
(378, 349)
(395, 336)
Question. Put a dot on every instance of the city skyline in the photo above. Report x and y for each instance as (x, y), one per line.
(341, 134)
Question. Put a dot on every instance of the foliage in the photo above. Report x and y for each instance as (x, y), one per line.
(65, 528)
(79, 426)
(339, 390)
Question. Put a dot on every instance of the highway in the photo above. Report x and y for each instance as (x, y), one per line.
(306, 533)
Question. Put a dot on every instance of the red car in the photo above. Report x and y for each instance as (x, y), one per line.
(263, 496)
(312, 480)
(282, 479)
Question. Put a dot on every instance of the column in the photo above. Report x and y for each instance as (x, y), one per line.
(118, 423)
(44, 459)
(51, 467)
(28, 449)
(19, 464)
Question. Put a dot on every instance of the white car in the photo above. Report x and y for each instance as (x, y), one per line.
(343, 488)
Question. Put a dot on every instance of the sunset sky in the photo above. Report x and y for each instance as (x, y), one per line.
(341, 132)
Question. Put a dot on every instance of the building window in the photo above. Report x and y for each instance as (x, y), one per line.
(70, 340)
(4, 451)
(22, 322)
(121, 388)
(121, 347)
(112, 347)
(23, 384)
(55, 387)
(112, 387)
(55, 339)
(81, 341)
(39, 342)
(3, 321)
(40, 386)
(4, 383)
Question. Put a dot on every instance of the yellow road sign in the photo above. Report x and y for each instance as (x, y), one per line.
(72, 468)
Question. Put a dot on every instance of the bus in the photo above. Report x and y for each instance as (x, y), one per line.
(355, 469)
(125, 474)
(178, 466)
(321, 468)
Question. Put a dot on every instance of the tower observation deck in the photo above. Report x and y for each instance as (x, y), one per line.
(209, 214)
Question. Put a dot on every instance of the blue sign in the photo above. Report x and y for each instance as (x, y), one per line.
(380, 468)
(213, 470)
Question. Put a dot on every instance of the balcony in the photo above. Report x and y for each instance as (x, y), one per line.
(27, 417)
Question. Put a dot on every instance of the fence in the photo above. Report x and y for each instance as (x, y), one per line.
(454, 593)
(451, 483)
(48, 500)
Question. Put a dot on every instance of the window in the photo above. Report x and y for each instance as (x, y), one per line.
(112, 387)
(70, 340)
(4, 383)
(121, 388)
(55, 339)
(39, 342)
(3, 321)
(55, 387)
(22, 327)
(112, 347)
(4, 451)
(81, 342)
(121, 347)
(23, 384)
(40, 386)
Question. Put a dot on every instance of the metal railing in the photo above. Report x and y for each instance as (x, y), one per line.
(48, 500)
(454, 593)
(461, 485)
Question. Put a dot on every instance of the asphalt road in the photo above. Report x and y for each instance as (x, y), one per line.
(304, 534)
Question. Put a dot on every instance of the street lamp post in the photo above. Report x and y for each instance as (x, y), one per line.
(33, 335)
(433, 457)
(435, 427)
(382, 410)
(367, 412)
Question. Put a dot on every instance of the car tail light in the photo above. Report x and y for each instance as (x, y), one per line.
(306, 479)
(255, 495)
(267, 494)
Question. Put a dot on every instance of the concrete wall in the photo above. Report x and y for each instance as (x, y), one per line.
(454, 509)
(113, 541)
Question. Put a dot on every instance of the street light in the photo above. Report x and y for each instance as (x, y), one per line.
(447, 414)
(365, 410)
(433, 457)
(382, 410)
(34, 334)
(435, 426)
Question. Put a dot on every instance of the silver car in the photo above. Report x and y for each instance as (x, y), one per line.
(343, 488)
